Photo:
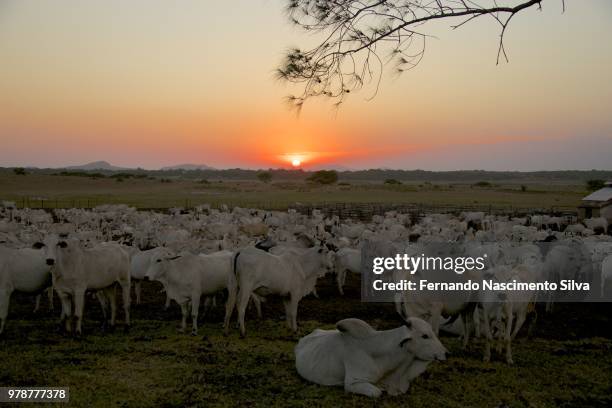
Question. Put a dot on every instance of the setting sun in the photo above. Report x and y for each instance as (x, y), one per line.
(296, 162)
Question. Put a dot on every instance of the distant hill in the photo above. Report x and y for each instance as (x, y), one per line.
(188, 167)
(97, 165)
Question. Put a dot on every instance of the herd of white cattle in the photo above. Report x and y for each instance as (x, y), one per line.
(250, 254)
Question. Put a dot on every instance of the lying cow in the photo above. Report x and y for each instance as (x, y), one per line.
(23, 270)
(367, 361)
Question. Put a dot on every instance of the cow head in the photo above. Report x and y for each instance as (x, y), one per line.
(421, 341)
(159, 264)
(50, 246)
(327, 257)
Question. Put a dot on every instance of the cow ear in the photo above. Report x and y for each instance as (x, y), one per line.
(38, 245)
(62, 244)
(405, 340)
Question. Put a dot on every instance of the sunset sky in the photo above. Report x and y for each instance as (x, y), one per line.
(153, 83)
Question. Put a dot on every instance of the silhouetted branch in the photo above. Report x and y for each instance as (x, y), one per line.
(358, 32)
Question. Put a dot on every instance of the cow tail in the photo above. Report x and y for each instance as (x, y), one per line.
(236, 262)
(232, 293)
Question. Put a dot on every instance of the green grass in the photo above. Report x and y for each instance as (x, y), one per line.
(568, 363)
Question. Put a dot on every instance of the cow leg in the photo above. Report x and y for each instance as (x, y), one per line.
(167, 304)
(532, 322)
(229, 308)
(5, 299)
(340, 276)
(208, 300)
(37, 304)
(66, 315)
(50, 297)
(243, 299)
(257, 303)
(293, 307)
(521, 316)
(103, 299)
(195, 306)
(435, 317)
(363, 388)
(137, 290)
(487, 333)
(476, 321)
(467, 328)
(79, 305)
(125, 289)
(287, 313)
(508, 333)
(184, 311)
(111, 295)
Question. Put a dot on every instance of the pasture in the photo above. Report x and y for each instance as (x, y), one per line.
(566, 363)
(51, 191)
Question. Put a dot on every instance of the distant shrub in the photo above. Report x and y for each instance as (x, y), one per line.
(344, 183)
(482, 184)
(523, 188)
(122, 175)
(392, 182)
(264, 176)
(165, 180)
(204, 181)
(593, 185)
(80, 173)
(118, 179)
(20, 171)
(324, 177)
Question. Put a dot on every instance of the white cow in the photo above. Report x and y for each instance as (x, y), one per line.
(313, 265)
(263, 273)
(595, 224)
(140, 263)
(77, 269)
(187, 277)
(347, 260)
(23, 270)
(366, 361)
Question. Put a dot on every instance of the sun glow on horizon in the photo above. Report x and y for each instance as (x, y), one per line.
(296, 160)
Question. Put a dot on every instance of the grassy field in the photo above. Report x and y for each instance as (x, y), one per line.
(52, 191)
(567, 363)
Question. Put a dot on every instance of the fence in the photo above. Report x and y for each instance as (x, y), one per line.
(365, 211)
(354, 210)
